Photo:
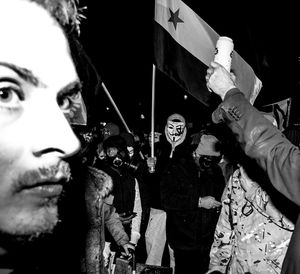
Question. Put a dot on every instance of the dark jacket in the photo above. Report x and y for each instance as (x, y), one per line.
(182, 183)
(273, 152)
(123, 186)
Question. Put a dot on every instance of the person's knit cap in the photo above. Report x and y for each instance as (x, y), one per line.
(207, 146)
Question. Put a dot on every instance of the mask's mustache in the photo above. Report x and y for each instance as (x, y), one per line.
(177, 133)
(176, 136)
(53, 173)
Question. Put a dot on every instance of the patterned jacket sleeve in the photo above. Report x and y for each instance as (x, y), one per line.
(221, 248)
(262, 202)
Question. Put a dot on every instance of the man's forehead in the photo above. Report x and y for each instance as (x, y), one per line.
(31, 39)
(22, 9)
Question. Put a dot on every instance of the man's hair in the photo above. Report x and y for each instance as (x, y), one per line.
(66, 12)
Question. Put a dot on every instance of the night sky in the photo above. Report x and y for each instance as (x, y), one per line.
(118, 36)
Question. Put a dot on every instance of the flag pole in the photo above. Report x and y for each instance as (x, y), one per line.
(152, 110)
(115, 106)
(119, 113)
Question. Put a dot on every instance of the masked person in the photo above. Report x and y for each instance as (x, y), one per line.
(180, 195)
(125, 192)
(37, 82)
(211, 183)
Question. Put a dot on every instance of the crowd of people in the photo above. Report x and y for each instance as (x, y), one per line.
(223, 198)
(168, 202)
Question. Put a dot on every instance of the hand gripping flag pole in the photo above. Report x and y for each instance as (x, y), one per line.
(152, 168)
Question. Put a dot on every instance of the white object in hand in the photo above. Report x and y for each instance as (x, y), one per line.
(224, 52)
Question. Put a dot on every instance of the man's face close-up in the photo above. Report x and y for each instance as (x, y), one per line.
(37, 81)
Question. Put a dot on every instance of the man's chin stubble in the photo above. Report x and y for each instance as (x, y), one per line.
(26, 233)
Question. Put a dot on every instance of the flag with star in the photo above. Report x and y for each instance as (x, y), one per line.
(184, 46)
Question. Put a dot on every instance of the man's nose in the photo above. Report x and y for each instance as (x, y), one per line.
(53, 133)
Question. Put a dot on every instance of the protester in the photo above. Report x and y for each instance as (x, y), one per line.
(211, 183)
(100, 213)
(126, 194)
(140, 171)
(37, 82)
(263, 142)
(187, 193)
(90, 198)
(252, 234)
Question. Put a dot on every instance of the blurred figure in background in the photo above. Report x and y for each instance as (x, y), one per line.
(125, 192)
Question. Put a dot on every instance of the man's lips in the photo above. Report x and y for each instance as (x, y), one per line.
(47, 189)
(44, 182)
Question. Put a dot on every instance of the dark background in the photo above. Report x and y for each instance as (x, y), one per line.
(118, 36)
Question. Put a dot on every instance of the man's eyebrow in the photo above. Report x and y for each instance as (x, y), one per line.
(23, 73)
(73, 86)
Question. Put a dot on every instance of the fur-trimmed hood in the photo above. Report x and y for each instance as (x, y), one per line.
(101, 180)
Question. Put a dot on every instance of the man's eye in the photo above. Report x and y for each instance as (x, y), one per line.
(9, 97)
(66, 101)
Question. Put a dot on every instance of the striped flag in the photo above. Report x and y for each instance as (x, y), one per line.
(184, 46)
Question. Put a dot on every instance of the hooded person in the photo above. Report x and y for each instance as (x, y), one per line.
(189, 196)
(126, 193)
